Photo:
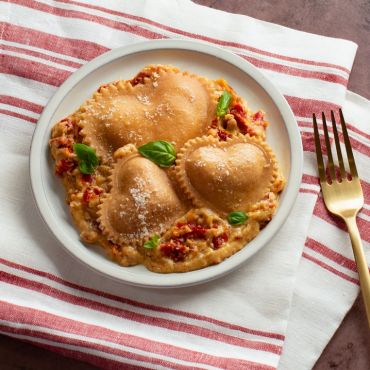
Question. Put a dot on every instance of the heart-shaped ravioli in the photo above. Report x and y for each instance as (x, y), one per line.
(165, 105)
(142, 201)
(226, 176)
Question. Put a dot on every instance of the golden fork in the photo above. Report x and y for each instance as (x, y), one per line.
(343, 195)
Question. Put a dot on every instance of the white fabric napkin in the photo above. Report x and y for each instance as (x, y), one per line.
(327, 282)
(237, 322)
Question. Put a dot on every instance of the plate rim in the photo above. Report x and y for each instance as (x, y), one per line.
(193, 277)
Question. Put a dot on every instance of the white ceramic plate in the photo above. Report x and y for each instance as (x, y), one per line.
(124, 63)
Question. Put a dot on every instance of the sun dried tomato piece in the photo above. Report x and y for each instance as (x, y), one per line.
(139, 78)
(64, 166)
(238, 109)
(87, 178)
(258, 116)
(223, 135)
(175, 250)
(218, 240)
(240, 117)
(197, 232)
(91, 193)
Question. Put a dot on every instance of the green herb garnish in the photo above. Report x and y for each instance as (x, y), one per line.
(223, 104)
(87, 159)
(237, 218)
(152, 243)
(162, 153)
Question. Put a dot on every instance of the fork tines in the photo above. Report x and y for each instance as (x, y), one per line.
(322, 173)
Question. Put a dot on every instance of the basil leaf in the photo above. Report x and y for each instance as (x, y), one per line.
(162, 153)
(223, 104)
(85, 168)
(237, 218)
(86, 157)
(152, 243)
(86, 153)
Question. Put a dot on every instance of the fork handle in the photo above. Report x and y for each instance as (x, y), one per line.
(362, 268)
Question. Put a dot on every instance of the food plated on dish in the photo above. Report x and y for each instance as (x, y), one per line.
(169, 169)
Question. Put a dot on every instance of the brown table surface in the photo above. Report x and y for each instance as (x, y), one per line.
(349, 348)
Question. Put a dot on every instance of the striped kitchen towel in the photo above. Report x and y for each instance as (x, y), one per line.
(280, 309)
